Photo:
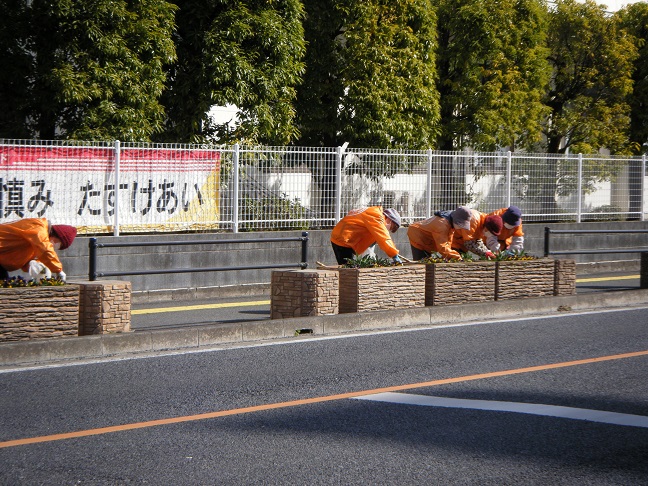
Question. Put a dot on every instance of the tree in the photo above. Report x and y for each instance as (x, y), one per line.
(98, 68)
(246, 53)
(591, 60)
(14, 77)
(370, 74)
(492, 72)
(634, 19)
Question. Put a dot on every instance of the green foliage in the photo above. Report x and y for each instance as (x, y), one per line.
(246, 53)
(98, 67)
(437, 258)
(514, 255)
(15, 96)
(591, 58)
(370, 74)
(19, 282)
(368, 262)
(492, 72)
(255, 211)
(634, 19)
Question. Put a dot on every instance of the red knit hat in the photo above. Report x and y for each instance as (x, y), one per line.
(65, 233)
(494, 224)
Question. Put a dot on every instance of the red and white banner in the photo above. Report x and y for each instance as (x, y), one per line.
(158, 189)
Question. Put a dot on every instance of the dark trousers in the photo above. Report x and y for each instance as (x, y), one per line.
(342, 253)
(419, 254)
(3, 274)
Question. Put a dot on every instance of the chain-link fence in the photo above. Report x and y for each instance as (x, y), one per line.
(109, 187)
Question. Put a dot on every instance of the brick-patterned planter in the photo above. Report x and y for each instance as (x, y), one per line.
(104, 307)
(565, 277)
(301, 293)
(383, 288)
(517, 279)
(459, 283)
(38, 312)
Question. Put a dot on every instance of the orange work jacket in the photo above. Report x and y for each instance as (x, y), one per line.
(25, 240)
(433, 235)
(360, 229)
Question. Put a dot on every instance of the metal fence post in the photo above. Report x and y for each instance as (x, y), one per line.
(428, 199)
(117, 168)
(643, 186)
(304, 249)
(235, 193)
(338, 183)
(580, 188)
(92, 264)
(546, 241)
(509, 159)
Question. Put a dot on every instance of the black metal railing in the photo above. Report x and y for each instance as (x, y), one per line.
(94, 245)
(549, 232)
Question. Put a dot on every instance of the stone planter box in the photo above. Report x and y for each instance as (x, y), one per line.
(518, 279)
(383, 288)
(74, 309)
(565, 277)
(459, 283)
(38, 312)
(301, 293)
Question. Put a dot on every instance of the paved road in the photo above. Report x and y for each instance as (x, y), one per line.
(559, 400)
(252, 308)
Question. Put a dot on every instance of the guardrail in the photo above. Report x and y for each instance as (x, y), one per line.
(549, 232)
(643, 277)
(94, 245)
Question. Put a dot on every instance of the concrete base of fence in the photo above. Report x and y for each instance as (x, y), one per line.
(302, 293)
(104, 307)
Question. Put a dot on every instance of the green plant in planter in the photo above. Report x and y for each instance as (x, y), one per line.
(19, 282)
(437, 258)
(514, 255)
(368, 262)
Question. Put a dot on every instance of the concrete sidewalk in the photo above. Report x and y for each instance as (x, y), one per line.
(212, 335)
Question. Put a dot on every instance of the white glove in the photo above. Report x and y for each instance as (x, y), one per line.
(62, 275)
(37, 269)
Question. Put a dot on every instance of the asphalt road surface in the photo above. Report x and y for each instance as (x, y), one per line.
(202, 312)
(560, 400)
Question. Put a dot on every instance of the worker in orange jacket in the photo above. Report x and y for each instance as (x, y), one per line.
(512, 236)
(361, 228)
(30, 245)
(469, 231)
(433, 235)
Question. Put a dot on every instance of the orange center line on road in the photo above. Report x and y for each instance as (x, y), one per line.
(306, 401)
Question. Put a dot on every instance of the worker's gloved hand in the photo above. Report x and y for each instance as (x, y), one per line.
(62, 275)
(38, 271)
(508, 253)
(398, 260)
(489, 255)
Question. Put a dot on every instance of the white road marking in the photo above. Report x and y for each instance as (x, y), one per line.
(600, 416)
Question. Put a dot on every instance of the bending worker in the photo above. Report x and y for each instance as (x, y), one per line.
(30, 244)
(512, 236)
(469, 227)
(433, 235)
(359, 229)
